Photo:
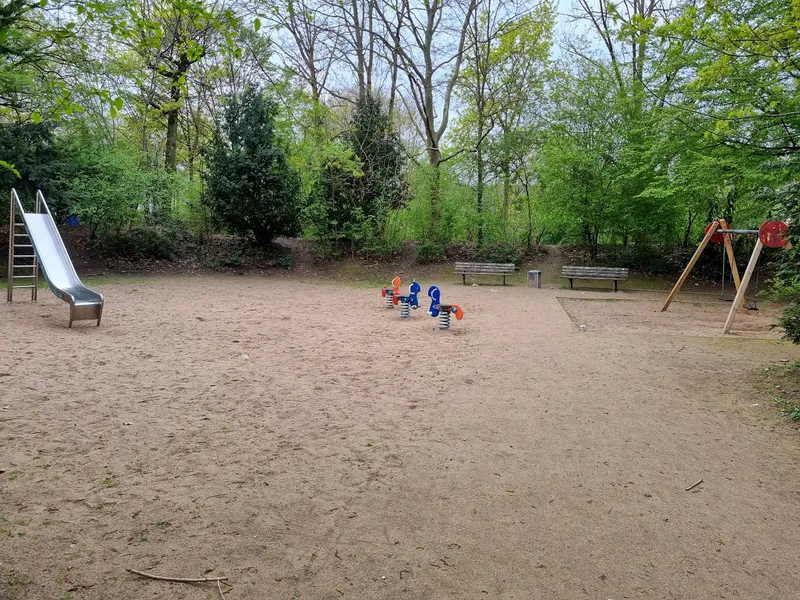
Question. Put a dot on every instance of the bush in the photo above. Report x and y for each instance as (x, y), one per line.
(137, 244)
(283, 262)
(500, 252)
(790, 321)
(430, 252)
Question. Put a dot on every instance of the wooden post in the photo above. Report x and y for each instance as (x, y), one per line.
(731, 258)
(711, 231)
(743, 287)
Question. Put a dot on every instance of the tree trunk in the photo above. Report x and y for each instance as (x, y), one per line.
(506, 194)
(171, 153)
(479, 164)
(435, 158)
(529, 235)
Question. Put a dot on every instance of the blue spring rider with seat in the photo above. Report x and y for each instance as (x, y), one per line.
(443, 311)
(408, 301)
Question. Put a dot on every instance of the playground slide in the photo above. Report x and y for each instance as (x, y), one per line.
(84, 304)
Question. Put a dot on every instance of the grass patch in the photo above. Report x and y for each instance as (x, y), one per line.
(782, 384)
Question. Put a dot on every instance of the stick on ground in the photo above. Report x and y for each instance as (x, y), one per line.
(694, 485)
(178, 579)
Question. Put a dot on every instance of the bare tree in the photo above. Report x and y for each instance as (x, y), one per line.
(309, 44)
(429, 44)
(354, 27)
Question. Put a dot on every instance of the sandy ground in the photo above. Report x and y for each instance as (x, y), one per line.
(306, 442)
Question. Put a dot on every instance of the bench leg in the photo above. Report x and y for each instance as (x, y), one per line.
(464, 278)
(570, 283)
(615, 285)
(504, 279)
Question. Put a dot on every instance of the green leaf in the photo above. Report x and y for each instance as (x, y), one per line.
(257, 24)
(113, 112)
(36, 117)
(43, 3)
(10, 167)
(117, 103)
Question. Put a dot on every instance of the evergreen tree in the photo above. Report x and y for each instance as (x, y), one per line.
(250, 186)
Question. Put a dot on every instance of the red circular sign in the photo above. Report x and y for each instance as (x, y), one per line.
(773, 234)
(717, 238)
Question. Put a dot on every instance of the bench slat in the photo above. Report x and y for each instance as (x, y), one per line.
(608, 273)
(467, 268)
(594, 272)
(485, 270)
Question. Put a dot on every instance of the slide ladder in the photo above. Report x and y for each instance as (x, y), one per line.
(23, 268)
(35, 244)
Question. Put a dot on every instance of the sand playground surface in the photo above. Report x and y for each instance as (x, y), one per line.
(305, 442)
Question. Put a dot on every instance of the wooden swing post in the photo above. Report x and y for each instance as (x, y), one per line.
(748, 273)
(682, 279)
(731, 256)
(717, 225)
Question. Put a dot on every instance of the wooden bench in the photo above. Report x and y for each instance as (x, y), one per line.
(466, 268)
(612, 273)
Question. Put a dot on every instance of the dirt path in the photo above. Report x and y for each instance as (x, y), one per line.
(309, 444)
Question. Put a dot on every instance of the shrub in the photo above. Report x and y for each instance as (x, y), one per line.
(283, 263)
(501, 252)
(137, 244)
(430, 252)
(790, 321)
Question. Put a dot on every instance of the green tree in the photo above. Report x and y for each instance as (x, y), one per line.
(101, 181)
(250, 186)
(360, 185)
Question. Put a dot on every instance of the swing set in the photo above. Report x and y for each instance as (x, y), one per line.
(771, 234)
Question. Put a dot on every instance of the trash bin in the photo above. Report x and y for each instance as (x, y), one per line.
(535, 278)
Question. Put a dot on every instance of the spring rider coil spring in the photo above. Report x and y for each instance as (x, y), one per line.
(391, 293)
(442, 311)
(408, 301)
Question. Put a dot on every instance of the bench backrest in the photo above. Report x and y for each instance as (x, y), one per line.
(469, 267)
(599, 272)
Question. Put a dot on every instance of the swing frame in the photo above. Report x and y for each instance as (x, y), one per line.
(721, 226)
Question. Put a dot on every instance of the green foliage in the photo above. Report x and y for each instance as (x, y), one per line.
(36, 160)
(500, 252)
(360, 181)
(429, 253)
(284, 262)
(790, 322)
(102, 182)
(251, 189)
(137, 243)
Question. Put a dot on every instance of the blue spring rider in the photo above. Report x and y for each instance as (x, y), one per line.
(408, 301)
(443, 311)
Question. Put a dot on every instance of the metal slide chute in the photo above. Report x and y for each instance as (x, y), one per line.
(46, 252)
